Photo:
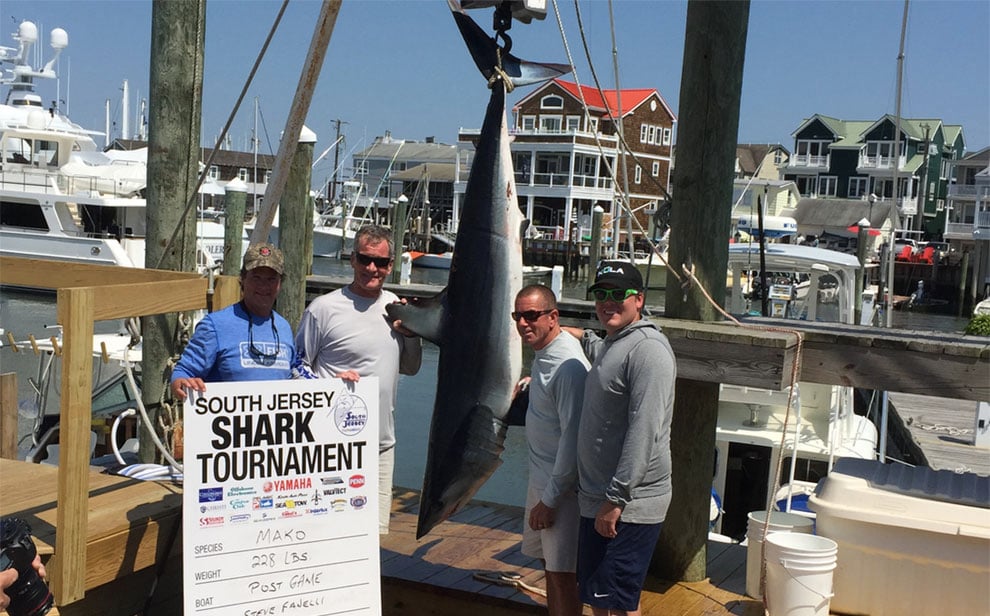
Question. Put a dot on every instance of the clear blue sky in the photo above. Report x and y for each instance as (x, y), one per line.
(401, 65)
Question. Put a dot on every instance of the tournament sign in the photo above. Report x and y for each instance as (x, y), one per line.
(280, 498)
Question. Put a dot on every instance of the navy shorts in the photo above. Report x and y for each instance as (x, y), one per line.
(611, 572)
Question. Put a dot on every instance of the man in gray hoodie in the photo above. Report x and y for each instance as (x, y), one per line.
(623, 448)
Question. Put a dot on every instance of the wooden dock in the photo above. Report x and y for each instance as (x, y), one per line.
(943, 428)
(133, 534)
(436, 575)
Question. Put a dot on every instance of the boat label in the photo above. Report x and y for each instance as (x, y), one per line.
(280, 498)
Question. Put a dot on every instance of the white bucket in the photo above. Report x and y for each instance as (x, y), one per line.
(799, 574)
(779, 522)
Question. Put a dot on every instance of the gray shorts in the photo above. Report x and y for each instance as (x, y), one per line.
(556, 545)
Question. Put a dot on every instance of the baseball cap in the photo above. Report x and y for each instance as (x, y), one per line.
(619, 274)
(264, 255)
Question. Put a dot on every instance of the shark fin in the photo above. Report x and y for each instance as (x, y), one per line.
(423, 317)
(484, 50)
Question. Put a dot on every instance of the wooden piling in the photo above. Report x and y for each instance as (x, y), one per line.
(295, 230)
(714, 48)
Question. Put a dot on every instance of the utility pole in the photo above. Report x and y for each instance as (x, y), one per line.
(919, 219)
(336, 161)
(711, 87)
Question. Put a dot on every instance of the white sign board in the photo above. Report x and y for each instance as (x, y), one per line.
(280, 499)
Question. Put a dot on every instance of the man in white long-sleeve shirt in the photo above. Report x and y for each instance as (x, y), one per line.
(347, 334)
(550, 527)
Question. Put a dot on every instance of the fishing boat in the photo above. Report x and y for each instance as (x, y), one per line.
(61, 198)
(812, 427)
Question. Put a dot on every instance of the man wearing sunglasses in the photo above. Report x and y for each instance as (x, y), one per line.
(623, 446)
(248, 341)
(347, 334)
(550, 525)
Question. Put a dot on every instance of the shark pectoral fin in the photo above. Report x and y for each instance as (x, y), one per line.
(523, 227)
(423, 317)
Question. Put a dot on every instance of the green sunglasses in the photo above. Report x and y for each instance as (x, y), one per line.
(614, 295)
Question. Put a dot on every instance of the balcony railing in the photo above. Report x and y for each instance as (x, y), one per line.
(809, 161)
(969, 190)
(979, 226)
(880, 162)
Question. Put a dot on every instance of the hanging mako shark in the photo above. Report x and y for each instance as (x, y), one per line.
(480, 350)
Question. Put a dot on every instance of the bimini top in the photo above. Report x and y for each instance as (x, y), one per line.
(791, 257)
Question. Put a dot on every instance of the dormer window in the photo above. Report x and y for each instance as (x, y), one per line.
(552, 101)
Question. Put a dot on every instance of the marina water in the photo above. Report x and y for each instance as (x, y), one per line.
(31, 313)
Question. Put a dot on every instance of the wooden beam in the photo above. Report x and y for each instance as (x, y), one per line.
(226, 291)
(137, 299)
(68, 570)
(8, 415)
(44, 274)
(929, 363)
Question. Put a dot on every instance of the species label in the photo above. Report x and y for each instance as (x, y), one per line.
(280, 498)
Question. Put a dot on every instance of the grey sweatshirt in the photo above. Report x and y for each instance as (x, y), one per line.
(623, 449)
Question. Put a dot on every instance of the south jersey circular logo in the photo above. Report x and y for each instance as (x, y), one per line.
(350, 414)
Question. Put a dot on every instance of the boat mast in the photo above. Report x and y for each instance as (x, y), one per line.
(894, 214)
(254, 179)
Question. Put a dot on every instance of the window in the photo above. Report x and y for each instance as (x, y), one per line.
(666, 136)
(268, 176)
(214, 173)
(651, 135)
(361, 167)
(827, 185)
(552, 101)
(857, 187)
(573, 123)
(529, 123)
(550, 123)
(593, 125)
(643, 131)
(242, 174)
(778, 157)
(656, 168)
(639, 174)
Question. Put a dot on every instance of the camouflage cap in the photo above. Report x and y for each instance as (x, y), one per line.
(264, 255)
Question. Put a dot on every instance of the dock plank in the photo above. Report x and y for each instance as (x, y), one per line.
(486, 537)
(944, 430)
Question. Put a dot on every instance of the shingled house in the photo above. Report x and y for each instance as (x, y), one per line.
(563, 156)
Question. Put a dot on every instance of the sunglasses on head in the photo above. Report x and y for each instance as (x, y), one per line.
(614, 295)
(380, 262)
(530, 315)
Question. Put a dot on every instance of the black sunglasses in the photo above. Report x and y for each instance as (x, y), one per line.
(380, 262)
(615, 295)
(255, 350)
(530, 315)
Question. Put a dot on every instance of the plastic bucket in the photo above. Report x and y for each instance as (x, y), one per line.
(779, 522)
(799, 574)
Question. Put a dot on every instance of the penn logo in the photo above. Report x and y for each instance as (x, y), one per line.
(356, 481)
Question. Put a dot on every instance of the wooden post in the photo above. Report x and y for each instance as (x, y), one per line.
(963, 276)
(297, 115)
(295, 225)
(714, 48)
(398, 234)
(234, 203)
(68, 566)
(8, 415)
(595, 250)
(176, 92)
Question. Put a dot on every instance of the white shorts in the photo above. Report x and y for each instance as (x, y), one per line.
(386, 462)
(556, 545)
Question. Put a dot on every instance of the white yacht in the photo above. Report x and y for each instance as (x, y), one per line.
(804, 283)
(61, 198)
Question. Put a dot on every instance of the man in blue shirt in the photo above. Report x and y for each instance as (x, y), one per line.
(248, 341)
